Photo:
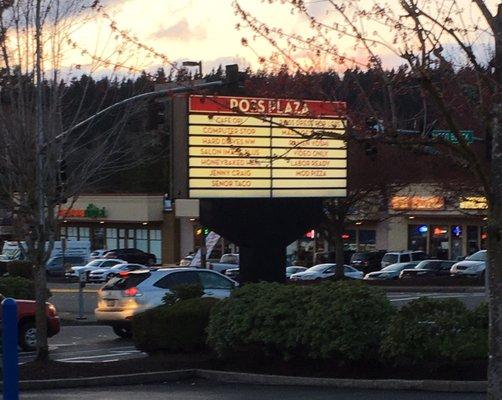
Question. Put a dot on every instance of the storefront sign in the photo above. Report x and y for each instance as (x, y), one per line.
(257, 147)
(92, 211)
(401, 203)
(473, 203)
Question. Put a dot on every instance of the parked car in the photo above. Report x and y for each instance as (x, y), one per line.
(124, 296)
(74, 272)
(233, 273)
(397, 257)
(134, 256)
(104, 274)
(27, 331)
(390, 271)
(428, 268)
(323, 271)
(230, 260)
(186, 261)
(367, 261)
(95, 254)
(56, 266)
(294, 270)
(473, 265)
(330, 257)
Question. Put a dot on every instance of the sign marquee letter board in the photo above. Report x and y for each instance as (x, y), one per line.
(244, 147)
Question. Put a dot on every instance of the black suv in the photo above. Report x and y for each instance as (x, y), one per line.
(367, 261)
(133, 256)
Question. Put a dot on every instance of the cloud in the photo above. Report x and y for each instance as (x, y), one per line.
(180, 31)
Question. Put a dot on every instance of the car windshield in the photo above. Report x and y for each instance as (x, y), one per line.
(359, 256)
(479, 256)
(425, 265)
(292, 270)
(94, 263)
(230, 259)
(320, 267)
(395, 267)
(390, 258)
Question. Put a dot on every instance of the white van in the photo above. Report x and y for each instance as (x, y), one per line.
(76, 252)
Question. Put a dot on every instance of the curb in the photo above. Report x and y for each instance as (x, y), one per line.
(379, 384)
(256, 379)
(108, 380)
(433, 289)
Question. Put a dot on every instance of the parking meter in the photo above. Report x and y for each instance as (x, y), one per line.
(82, 278)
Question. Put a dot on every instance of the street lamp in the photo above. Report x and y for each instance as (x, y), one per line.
(193, 64)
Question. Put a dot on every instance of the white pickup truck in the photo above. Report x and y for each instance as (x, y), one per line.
(227, 261)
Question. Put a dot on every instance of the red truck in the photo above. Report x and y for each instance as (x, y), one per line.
(26, 323)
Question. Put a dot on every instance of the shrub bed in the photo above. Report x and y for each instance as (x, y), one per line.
(342, 320)
(178, 327)
(17, 287)
(436, 330)
(23, 269)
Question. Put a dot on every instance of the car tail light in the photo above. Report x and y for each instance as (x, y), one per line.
(124, 274)
(51, 310)
(132, 292)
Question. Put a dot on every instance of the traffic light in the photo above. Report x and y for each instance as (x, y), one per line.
(233, 78)
(206, 231)
(61, 180)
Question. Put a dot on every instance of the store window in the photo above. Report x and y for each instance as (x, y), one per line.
(72, 233)
(142, 239)
(111, 238)
(439, 242)
(456, 232)
(155, 244)
(417, 237)
(367, 239)
(84, 233)
(484, 238)
(350, 240)
(472, 239)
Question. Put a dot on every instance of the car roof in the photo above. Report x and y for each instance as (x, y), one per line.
(109, 259)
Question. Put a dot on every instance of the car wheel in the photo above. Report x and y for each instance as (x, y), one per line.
(28, 336)
(122, 331)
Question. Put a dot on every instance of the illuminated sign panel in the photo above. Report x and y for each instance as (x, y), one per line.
(255, 147)
(473, 203)
(417, 203)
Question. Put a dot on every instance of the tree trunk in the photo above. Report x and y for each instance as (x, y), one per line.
(339, 256)
(41, 318)
(495, 227)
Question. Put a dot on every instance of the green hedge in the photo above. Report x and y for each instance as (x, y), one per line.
(23, 269)
(343, 320)
(436, 330)
(180, 327)
(17, 287)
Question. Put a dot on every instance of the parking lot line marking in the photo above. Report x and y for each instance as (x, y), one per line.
(126, 353)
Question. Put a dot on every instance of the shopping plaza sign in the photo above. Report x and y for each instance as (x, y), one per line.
(260, 148)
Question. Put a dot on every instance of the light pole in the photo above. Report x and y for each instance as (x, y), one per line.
(193, 64)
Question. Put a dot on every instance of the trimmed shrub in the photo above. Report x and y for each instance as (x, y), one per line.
(267, 317)
(346, 320)
(343, 319)
(183, 292)
(17, 287)
(180, 327)
(23, 269)
(435, 330)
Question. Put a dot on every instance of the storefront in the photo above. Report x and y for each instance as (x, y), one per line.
(444, 230)
(111, 221)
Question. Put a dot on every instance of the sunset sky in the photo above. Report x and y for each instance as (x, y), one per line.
(206, 30)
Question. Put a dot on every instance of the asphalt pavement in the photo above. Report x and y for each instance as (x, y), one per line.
(205, 390)
(89, 344)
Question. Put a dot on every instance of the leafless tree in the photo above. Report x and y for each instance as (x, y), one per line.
(43, 159)
(429, 37)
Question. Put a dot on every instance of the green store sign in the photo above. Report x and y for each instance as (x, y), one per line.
(92, 211)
